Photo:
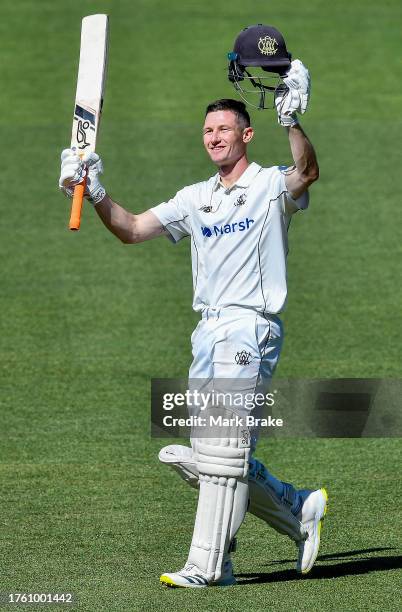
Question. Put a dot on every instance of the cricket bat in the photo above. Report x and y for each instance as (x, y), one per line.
(88, 97)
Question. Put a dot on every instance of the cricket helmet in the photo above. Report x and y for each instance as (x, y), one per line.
(258, 47)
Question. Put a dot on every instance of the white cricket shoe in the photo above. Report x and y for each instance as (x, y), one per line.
(311, 516)
(191, 577)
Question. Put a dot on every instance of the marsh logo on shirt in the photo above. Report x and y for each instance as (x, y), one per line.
(228, 228)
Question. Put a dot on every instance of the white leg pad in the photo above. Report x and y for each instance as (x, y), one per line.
(229, 461)
(264, 503)
(181, 459)
(222, 502)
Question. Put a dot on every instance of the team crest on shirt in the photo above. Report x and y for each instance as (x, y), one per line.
(243, 358)
(241, 200)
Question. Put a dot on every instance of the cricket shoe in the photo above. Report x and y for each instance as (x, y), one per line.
(311, 515)
(191, 577)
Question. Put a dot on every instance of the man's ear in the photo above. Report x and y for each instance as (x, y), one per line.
(248, 133)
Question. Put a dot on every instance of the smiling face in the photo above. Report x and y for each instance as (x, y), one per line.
(225, 137)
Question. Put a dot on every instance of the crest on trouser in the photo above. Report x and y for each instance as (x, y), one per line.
(243, 358)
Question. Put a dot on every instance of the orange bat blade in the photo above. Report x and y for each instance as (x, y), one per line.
(76, 206)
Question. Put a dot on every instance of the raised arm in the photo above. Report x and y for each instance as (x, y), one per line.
(305, 171)
(126, 226)
(290, 99)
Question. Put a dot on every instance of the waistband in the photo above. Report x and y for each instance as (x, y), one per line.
(229, 311)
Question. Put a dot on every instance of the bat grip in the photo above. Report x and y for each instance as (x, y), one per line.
(76, 206)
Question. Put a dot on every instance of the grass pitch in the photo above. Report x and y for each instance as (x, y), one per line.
(86, 322)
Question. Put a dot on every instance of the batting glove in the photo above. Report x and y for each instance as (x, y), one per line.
(292, 97)
(74, 170)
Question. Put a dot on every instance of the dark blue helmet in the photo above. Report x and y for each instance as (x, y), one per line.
(258, 47)
(262, 46)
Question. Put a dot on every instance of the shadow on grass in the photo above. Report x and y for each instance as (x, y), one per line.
(351, 567)
(337, 555)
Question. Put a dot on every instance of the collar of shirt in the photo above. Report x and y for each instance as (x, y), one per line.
(243, 181)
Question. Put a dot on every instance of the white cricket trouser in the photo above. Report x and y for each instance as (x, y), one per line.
(237, 344)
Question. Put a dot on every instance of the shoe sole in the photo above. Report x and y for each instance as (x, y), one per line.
(309, 568)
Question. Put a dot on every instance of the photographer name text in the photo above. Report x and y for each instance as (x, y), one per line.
(219, 421)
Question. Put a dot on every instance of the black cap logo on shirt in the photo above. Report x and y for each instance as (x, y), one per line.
(241, 200)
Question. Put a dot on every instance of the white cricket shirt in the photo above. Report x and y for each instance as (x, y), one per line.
(238, 238)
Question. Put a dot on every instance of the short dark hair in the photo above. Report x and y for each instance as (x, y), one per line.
(237, 107)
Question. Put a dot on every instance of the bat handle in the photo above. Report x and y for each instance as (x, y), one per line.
(76, 206)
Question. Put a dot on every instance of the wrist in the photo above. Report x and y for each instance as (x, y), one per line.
(96, 194)
(288, 121)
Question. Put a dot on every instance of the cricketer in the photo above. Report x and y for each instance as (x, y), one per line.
(237, 222)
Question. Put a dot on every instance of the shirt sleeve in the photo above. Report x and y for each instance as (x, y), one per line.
(290, 205)
(174, 215)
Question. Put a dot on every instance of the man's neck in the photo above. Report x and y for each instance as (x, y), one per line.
(230, 174)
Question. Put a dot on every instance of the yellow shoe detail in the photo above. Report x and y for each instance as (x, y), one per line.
(167, 581)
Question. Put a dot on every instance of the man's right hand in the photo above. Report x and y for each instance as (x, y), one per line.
(73, 171)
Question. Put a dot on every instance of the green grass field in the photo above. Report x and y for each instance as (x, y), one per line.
(86, 322)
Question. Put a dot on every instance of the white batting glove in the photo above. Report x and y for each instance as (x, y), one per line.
(298, 80)
(73, 171)
(293, 97)
(286, 102)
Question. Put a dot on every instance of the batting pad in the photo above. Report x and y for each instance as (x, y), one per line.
(222, 502)
(181, 459)
(264, 503)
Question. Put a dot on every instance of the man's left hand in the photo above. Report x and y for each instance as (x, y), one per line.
(294, 97)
